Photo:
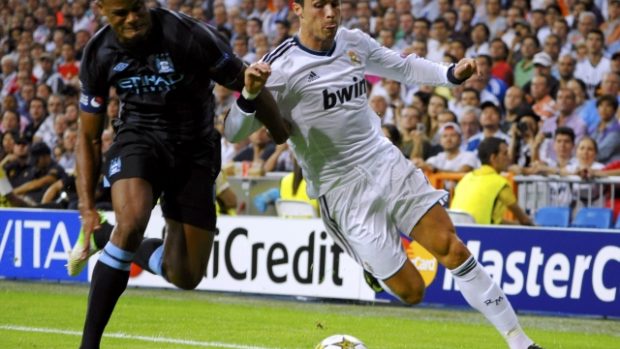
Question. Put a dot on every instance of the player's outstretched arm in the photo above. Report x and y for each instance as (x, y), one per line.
(88, 163)
(255, 103)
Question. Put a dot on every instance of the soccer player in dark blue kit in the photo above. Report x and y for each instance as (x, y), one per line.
(163, 66)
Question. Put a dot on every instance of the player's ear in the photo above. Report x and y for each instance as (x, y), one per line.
(298, 9)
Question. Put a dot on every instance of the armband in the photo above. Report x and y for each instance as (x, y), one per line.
(453, 78)
(246, 102)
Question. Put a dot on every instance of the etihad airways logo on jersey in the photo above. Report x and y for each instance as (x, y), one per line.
(345, 94)
(145, 84)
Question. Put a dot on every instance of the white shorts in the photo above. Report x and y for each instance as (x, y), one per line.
(366, 216)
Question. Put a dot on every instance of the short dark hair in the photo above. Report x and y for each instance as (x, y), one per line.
(567, 131)
(613, 100)
(489, 146)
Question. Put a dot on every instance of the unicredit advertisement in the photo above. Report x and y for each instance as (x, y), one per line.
(549, 270)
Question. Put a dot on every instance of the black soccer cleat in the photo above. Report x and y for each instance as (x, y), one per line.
(534, 346)
(372, 282)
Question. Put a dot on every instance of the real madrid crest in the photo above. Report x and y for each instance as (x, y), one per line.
(354, 57)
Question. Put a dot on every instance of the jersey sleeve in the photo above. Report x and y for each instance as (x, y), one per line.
(223, 65)
(93, 81)
(411, 69)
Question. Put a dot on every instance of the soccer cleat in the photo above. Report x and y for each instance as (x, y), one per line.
(534, 346)
(372, 282)
(75, 264)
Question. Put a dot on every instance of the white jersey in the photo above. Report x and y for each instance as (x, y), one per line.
(324, 96)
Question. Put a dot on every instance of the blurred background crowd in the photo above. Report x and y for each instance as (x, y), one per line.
(548, 86)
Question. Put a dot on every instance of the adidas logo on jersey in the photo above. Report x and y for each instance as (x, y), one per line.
(345, 94)
(313, 76)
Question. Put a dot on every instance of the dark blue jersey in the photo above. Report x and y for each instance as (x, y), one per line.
(165, 86)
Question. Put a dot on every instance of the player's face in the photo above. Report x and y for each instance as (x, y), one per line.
(319, 20)
(129, 19)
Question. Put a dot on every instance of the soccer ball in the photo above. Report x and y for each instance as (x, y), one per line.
(341, 341)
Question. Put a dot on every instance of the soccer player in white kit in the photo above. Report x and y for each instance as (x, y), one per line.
(368, 192)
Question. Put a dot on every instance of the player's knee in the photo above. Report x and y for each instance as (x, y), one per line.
(413, 296)
(458, 254)
(184, 280)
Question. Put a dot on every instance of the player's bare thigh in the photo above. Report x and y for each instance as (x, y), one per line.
(132, 200)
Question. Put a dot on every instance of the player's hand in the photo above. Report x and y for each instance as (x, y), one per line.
(90, 223)
(256, 76)
(465, 68)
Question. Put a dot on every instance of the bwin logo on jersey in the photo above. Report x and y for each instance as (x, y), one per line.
(164, 64)
(345, 94)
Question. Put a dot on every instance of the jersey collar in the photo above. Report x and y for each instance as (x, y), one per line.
(313, 52)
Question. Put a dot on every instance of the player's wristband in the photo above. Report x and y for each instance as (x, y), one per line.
(453, 79)
(248, 106)
(249, 96)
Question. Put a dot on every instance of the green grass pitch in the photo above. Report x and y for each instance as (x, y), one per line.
(48, 316)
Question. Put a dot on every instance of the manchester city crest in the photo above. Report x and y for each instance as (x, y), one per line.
(164, 64)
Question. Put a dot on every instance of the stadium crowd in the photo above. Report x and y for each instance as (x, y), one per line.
(548, 85)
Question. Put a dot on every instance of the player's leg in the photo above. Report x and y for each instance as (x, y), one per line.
(436, 233)
(132, 199)
(188, 203)
(186, 253)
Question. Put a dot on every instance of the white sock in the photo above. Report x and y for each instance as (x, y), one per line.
(485, 296)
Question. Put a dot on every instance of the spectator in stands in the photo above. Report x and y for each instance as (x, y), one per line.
(542, 66)
(494, 20)
(10, 122)
(514, 101)
(8, 140)
(523, 138)
(565, 116)
(67, 146)
(541, 100)
(566, 69)
(552, 46)
(280, 161)
(38, 115)
(500, 68)
(259, 150)
(586, 155)
(451, 159)
(498, 195)
(48, 74)
(493, 85)
(591, 69)
(51, 137)
(8, 72)
(610, 85)
(225, 197)
(38, 176)
(561, 29)
(586, 21)
(607, 133)
(563, 146)
(490, 117)
(470, 125)
(480, 41)
(69, 68)
(524, 69)
(392, 133)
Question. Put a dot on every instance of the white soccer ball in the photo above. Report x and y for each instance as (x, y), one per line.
(341, 341)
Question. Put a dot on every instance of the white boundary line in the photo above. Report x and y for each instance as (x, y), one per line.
(134, 337)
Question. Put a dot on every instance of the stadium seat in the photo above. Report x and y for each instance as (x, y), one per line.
(294, 209)
(461, 217)
(552, 216)
(618, 222)
(593, 217)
